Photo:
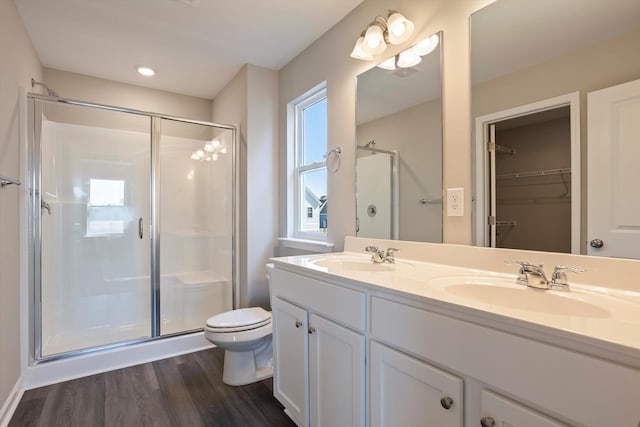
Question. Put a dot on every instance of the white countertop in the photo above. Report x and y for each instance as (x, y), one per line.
(601, 321)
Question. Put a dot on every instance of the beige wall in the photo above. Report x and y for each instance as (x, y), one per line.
(328, 60)
(250, 101)
(417, 135)
(18, 65)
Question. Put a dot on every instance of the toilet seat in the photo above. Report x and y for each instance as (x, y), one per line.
(238, 320)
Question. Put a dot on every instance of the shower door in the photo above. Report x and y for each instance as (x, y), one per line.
(91, 172)
(132, 225)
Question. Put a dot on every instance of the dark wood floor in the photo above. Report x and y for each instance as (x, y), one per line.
(183, 391)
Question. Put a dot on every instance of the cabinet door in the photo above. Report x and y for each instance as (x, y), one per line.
(408, 392)
(336, 364)
(498, 411)
(290, 354)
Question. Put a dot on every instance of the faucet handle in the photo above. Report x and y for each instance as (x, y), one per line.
(559, 276)
(389, 255)
(372, 249)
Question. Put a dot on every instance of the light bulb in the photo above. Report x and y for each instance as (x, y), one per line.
(389, 64)
(146, 71)
(400, 28)
(358, 50)
(408, 58)
(426, 46)
(374, 40)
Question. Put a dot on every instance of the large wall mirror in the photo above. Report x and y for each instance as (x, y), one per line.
(399, 147)
(556, 119)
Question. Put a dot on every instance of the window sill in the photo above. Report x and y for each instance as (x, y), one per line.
(306, 245)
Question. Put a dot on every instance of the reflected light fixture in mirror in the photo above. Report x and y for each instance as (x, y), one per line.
(412, 56)
(394, 29)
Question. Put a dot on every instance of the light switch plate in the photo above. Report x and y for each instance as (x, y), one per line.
(455, 201)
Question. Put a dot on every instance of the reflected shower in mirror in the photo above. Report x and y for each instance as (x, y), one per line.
(399, 146)
(540, 72)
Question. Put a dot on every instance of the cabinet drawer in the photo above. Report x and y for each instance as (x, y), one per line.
(343, 305)
(587, 390)
(506, 412)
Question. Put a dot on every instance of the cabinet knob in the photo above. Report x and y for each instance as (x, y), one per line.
(487, 422)
(298, 323)
(312, 329)
(596, 243)
(446, 402)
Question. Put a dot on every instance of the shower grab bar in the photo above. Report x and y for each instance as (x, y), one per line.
(5, 180)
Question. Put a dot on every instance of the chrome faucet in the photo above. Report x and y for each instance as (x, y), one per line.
(379, 256)
(376, 254)
(558, 277)
(526, 269)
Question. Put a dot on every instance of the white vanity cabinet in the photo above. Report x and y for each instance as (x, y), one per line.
(318, 357)
(405, 391)
(549, 384)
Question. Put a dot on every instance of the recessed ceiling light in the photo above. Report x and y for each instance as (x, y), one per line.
(145, 71)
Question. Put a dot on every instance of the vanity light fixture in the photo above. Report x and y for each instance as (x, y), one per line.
(389, 64)
(394, 29)
(408, 58)
(145, 71)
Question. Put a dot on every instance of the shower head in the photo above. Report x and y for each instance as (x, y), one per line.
(49, 91)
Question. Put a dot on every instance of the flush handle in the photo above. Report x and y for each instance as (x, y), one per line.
(446, 402)
(298, 323)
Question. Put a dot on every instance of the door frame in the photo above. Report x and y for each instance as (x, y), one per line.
(481, 235)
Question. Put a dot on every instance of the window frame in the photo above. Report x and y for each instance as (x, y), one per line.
(310, 98)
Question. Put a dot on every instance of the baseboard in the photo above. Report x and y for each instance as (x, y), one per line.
(81, 366)
(10, 405)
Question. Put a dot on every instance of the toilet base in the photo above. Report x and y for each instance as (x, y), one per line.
(246, 367)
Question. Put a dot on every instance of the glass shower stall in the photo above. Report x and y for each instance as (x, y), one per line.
(132, 218)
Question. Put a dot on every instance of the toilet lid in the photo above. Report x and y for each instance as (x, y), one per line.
(244, 317)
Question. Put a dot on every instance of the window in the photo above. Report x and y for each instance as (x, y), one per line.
(309, 165)
(105, 210)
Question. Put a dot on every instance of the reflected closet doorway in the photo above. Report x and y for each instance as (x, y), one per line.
(528, 177)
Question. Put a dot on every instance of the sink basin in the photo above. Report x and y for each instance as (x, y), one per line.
(506, 294)
(348, 263)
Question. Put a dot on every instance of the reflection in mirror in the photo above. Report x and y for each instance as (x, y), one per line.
(399, 146)
(556, 113)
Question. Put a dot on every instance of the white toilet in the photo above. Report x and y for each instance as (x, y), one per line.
(245, 335)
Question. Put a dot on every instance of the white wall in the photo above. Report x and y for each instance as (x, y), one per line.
(328, 59)
(250, 101)
(18, 65)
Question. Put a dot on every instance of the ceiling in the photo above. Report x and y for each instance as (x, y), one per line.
(196, 46)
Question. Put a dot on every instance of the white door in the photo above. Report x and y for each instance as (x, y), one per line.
(498, 411)
(613, 213)
(336, 364)
(290, 351)
(408, 392)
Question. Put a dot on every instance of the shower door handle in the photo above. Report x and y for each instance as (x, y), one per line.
(140, 232)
